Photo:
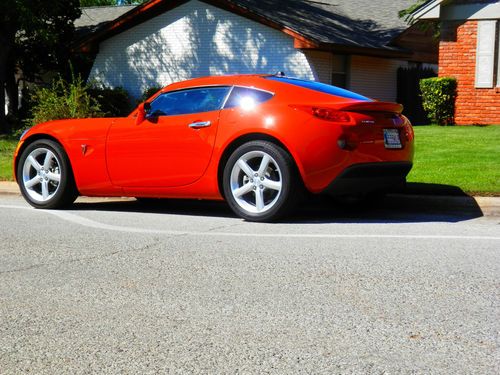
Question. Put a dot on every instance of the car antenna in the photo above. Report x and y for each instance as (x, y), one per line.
(280, 74)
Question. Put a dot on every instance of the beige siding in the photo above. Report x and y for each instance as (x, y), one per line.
(195, 39)
(374, 77)
(321, 64)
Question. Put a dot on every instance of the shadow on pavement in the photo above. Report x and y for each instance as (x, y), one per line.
(415, 203)
(417, 188)
(392, 208)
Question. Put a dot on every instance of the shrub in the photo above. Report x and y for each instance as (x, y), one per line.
(62, 100)
(149, 92)
(113, 102)
(438, 99)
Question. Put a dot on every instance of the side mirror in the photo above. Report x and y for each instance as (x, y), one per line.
(142, 112)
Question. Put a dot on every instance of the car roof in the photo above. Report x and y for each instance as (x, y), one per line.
(231, 79)
(292, 92)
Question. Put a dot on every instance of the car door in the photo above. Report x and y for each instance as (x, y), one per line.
(172, 146)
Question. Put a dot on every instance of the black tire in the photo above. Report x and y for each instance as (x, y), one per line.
(58, 194)
(281, 171)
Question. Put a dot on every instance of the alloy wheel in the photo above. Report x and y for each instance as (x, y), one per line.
(41, 174)
(256, 182)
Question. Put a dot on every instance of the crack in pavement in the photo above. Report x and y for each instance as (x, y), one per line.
(222, 227)
(155, 243)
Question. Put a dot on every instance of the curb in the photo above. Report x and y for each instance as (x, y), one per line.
(9, 188)
(489, 205)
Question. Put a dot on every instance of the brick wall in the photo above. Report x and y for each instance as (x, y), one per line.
(457, 58)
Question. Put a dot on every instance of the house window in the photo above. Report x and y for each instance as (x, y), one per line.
(487, 55)
(340, 65)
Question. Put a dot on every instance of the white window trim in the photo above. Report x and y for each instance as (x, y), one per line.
(498, 54)
(485, 54)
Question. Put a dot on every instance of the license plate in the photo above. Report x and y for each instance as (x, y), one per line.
(391, 138)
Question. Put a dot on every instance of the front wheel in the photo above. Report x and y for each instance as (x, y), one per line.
(260, 181)
(44, 175)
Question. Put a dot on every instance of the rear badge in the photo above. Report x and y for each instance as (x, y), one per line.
(370, 122)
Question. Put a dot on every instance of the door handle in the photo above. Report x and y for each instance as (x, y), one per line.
(200, 124)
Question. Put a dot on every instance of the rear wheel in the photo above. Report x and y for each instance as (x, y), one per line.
(44, 175)
(260, 181)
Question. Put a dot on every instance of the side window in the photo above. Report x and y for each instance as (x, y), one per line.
(247, 97)
(183, 102)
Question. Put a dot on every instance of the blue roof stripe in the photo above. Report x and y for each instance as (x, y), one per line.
(322, 87)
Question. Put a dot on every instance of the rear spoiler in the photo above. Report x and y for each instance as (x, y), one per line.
(354, 106)
(370, 107)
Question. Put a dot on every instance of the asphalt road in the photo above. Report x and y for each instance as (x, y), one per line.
(406, 287)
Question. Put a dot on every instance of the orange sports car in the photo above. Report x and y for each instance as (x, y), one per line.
(256, 141)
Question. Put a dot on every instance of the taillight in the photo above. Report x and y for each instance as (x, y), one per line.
(331, 115)
(410, 135)
(327, 114)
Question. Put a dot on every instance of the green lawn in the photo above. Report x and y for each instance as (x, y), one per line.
(7, 147)
(464, 156)
(467, 157)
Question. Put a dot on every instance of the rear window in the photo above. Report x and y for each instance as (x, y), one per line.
(244, 96)
(321, 87)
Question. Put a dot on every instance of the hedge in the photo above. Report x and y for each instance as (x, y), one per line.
(438, 99)
(62, 100)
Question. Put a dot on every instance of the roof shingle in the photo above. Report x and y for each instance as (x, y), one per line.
(360, 23)
(352, 23)
(93, 18)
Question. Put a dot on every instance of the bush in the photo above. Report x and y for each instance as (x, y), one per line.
(438, 99)
(62, 100)
(113, 102)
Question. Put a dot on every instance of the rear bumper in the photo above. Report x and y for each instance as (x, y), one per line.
(367, 177)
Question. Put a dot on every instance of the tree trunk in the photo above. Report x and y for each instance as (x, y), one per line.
(4, 58)
(4, 126)
(12, 90)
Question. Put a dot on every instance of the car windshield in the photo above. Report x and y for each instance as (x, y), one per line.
(321, 87)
